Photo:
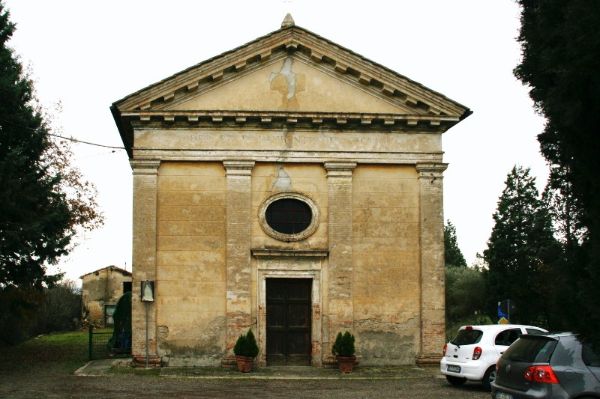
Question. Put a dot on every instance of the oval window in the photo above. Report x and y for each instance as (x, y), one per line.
(288, 216)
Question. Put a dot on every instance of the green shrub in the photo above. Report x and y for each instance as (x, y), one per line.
(61, 309)
(344, 345)
(27, 312)
(246, 345)
(465, 298)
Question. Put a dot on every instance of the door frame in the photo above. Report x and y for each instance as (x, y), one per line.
(277, 265)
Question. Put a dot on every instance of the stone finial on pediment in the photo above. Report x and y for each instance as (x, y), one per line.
(287, 21)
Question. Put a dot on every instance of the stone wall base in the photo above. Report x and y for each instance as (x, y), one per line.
(229, 362)
(140, 361)
(428, 359)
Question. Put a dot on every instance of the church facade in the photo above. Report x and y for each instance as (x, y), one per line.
(293, 187)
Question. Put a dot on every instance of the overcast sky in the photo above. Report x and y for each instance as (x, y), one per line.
(86, 55)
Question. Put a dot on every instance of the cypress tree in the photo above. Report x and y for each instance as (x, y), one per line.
(518, 250)
(452, 253)
(560, 43)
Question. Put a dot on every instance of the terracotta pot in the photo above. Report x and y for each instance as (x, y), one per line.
(346, 363)
(244, 363)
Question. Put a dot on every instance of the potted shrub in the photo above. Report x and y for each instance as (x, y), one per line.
(343, 349)
(245, 351)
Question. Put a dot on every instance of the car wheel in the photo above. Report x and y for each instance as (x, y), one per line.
(489, 377)
(456, 381)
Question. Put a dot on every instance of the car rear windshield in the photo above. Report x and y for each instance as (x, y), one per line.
(531, 349)
(467, 337)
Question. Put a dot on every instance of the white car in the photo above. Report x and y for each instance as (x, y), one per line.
(473, 353)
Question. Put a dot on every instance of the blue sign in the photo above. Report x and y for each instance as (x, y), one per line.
(501, 313)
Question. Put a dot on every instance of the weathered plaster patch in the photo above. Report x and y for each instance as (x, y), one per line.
(163, 332)
(206, 349)
(282, 182)
(381, 348)
(288, 83)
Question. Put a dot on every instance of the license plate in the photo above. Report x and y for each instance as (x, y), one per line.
(453, 369)
(502, 395)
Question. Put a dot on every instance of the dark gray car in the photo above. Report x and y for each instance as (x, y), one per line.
(548, 366)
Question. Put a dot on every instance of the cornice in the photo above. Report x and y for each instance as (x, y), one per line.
(401, 158)
(360, 121)
(296, 253)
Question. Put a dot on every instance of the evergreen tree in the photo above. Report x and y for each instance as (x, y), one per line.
(519, 249)
(560, 42)
(43, 198)
(452, 253)
(563, 207)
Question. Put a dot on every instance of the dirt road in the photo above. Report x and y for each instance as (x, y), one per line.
(44, 368)
(41, 384)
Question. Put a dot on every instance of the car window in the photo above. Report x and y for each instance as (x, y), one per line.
(467, 337)
(590, 357)
(531, 349)
(534, 331)
(507, 337)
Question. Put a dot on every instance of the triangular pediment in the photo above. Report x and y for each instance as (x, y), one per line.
(289, 73)
(296, 64)
(289, 83)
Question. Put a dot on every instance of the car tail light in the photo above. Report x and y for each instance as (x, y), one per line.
(445, 349)
(542, 374)
(477, 353)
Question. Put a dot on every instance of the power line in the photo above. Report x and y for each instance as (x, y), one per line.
(86, 142)
(69, 138)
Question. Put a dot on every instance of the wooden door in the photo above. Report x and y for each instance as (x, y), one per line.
(288, 321)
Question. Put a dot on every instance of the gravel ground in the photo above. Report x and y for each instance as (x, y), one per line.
(46, 382)
(45, 367)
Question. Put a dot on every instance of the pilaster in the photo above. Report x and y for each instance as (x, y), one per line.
(340, 312)
(145, 186)
(239, 240)
(432, 261)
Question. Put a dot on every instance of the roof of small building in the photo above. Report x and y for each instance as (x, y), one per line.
(111, 268)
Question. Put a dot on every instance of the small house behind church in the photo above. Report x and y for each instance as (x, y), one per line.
(100, 291)
(293, 187)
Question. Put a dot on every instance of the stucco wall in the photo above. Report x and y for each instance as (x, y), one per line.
(307, 179)
(385, 281)
(191, 262)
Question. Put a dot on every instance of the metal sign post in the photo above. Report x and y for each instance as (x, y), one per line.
(147, 288)
(146, 305)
